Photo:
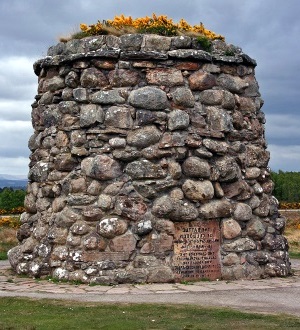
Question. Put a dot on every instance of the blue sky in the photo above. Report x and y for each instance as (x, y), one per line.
(266, 30)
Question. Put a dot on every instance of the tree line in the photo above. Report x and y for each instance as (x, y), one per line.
(287, 186)
(11, 198)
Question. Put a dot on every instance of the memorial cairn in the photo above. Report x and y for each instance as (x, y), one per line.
(148, 161)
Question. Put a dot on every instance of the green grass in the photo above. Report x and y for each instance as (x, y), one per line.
(4, 248)
(205, 43)
(21, 313)
(3, 255)
(294, 255)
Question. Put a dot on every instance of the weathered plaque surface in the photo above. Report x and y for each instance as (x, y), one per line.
(197, 250)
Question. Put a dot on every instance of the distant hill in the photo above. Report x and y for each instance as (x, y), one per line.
(13, 181)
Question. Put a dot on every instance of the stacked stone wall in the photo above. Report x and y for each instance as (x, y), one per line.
(148, 164)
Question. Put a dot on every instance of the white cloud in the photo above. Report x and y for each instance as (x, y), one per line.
(17, 79)
(283, 127)
(14, 136)
(15, 110)
(14, 126)
(18, 85)
(284, 136)
(18, 68)
(14, 165)
(285, 158)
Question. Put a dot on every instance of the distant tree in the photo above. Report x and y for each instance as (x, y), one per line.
(10, 198)
(287, 186)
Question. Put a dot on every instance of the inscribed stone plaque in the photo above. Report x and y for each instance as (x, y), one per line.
(197, 250)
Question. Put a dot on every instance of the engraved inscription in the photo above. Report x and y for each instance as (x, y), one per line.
(196, 250)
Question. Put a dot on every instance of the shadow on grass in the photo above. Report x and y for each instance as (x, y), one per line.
(20, 313)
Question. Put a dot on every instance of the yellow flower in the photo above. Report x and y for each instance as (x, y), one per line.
(183, 25)
(99, 26)
(156, 24)
(84, 27)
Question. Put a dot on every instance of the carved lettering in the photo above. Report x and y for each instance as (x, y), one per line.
(197, 250)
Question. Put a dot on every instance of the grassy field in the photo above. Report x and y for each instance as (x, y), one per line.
(7, 241)
(292, 231)
(25, 314)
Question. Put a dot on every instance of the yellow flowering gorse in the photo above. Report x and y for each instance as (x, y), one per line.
(15, 210)
(12, 222)
(289, 205)
(161, 25)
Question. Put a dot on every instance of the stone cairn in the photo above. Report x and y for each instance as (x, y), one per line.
(148, 164)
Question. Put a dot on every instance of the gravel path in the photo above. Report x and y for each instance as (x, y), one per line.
(274, 295)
